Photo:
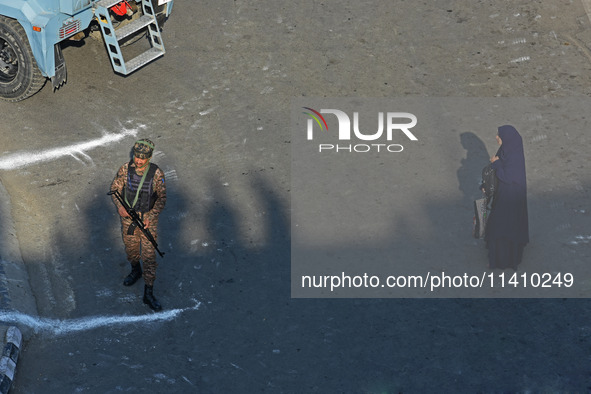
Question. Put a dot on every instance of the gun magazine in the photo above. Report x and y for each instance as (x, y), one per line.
(131, 228)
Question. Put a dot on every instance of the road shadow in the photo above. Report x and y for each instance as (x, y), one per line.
(248, 332)
(469, 175)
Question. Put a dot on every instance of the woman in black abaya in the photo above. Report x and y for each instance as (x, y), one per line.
(507, 229)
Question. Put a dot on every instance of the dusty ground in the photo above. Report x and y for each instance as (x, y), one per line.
(218, 107)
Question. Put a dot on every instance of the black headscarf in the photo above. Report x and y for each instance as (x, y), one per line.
(511, 164)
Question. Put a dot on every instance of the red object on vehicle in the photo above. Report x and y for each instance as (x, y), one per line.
(121, 8)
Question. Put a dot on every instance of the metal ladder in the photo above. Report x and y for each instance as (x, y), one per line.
(112, 37)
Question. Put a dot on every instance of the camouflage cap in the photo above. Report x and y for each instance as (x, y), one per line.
(142, 149)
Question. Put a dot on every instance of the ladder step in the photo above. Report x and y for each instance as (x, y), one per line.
(132, 27)
(143, 59)
(106, 3)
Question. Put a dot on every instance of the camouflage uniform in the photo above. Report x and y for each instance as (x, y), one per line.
(137, 245)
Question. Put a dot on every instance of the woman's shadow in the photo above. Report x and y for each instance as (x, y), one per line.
(470, 172)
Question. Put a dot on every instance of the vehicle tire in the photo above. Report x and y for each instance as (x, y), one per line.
(20, 76)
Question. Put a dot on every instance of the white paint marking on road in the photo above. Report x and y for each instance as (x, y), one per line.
(171, 175)
(581, 239)
(63, 327)
(87, 157)
(76, 157)
(18, 160)
(539, 138)
(520, 59)
(207, 111)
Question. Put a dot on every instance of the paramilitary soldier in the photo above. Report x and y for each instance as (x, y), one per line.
(142, 186)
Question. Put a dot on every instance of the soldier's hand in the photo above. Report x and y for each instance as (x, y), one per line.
(146, 223)
(123, 213)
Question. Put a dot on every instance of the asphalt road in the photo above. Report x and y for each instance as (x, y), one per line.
(217, 106)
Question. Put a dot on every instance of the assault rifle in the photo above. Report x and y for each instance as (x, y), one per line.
(136, 221)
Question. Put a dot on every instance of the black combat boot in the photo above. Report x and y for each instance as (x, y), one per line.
(134, 275)
(150, 300)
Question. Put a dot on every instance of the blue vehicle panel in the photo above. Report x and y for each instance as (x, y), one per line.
(46, 23)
